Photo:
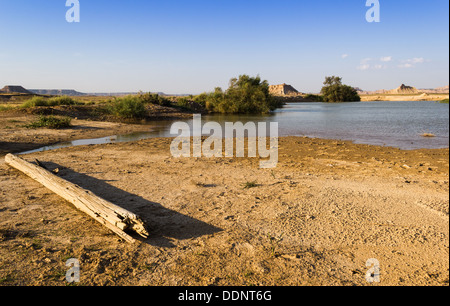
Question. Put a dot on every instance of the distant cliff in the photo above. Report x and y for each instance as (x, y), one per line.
(405, 90)
(283, 90)
(57, 92)
(16, 89)
(439, 90)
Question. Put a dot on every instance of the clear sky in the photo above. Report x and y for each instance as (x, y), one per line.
(192, 46)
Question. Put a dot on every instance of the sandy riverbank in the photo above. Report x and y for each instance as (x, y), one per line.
(415, 97)
(316, 219)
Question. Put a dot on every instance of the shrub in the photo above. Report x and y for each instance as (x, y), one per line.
(188, 104)
(313, 98)
(201, 99)
(35, 101)
(63, 100)
(129, 107)
(183, 103)
(56, 101)
(51, 122)
(5, 108)
(249, 185)
(154, 99)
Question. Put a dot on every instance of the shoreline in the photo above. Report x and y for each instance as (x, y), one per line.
(404, 97)
(127, 129)
(424, 97)
(15, 138)
(316, 219)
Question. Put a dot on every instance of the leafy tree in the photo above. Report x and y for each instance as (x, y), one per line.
(245, 95)
(335, 91)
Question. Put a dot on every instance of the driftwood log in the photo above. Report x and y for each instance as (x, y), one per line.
(112, 216)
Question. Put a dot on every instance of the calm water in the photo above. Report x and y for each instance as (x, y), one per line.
(396, 124)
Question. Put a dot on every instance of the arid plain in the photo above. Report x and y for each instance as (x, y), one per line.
(316, 219)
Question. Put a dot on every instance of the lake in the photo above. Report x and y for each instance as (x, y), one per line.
(394, 124)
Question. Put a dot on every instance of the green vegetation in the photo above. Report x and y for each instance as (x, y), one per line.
(313, 98)
(35, 101)
(335, 91)
(129, 107)
(183, 103)
(444, 101)
(246, 95)
(274, 243)
(189, 104)
(153, 99)
(5, 108)
(249, 185)
(42, 101)
(51, 122)
(134, 107)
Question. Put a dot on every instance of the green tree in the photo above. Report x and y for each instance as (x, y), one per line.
(245, 95)
(335, 91)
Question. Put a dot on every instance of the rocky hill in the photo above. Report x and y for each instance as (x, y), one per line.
(439, 90)
(283, 90)
(404, 90)
(15, 89)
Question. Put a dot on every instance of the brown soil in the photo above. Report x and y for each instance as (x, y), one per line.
(316, 219)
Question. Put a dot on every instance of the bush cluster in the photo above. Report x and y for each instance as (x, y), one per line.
(129, 107)
(151, 98)
(43, 101)
(245, 95)
(51, 122)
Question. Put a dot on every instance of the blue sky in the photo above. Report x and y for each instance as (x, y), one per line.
(193, 46)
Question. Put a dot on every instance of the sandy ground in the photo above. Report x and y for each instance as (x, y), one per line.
(416, 97)
(316, 219)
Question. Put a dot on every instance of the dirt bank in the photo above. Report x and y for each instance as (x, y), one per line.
(404, 97)
(316, 219)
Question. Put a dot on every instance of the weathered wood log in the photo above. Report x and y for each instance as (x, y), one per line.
(112, 216)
